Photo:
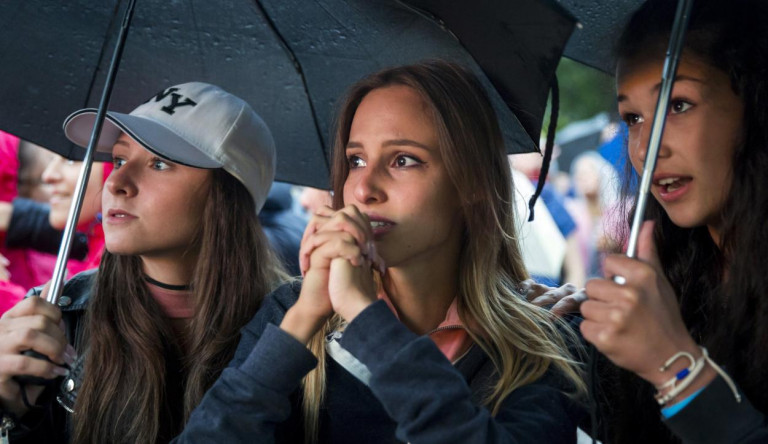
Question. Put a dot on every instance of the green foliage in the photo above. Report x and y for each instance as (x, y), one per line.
(584, 92)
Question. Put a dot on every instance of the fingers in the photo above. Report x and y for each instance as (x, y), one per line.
(532, 290)
(349, 220)
(16, 364)
(35, 333)
(325, 246)
(34, 306)
(569, 304)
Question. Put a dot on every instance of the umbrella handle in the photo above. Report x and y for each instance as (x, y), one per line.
(59, 272)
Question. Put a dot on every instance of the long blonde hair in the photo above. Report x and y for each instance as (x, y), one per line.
(522, 340)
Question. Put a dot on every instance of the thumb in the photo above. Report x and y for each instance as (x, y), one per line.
(646, 246)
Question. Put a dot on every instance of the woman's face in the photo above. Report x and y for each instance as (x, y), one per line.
(397, 177)
(60, 176)
(704, 126)
(152, 207)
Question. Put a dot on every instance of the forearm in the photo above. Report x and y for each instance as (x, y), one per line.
(247, 402)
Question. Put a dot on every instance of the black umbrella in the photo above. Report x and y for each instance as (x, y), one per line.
(290, 59)
(600, 25)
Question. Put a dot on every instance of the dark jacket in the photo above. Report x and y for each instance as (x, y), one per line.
(715, 417)
(414, 393)
(283, 227)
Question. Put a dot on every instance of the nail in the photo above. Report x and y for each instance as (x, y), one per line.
(61, 371)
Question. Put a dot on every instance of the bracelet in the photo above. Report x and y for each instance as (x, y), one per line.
(685, 377)
(679, 375)
(682, 380)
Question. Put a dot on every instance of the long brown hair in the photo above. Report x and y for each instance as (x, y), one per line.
(521, 339)
(123, 396)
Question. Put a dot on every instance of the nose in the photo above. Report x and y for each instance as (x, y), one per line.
(122, 182)
(52, 172)
(368, 187)
(638, 146)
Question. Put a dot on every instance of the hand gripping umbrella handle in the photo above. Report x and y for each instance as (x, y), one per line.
(59, 272)
(671, 61)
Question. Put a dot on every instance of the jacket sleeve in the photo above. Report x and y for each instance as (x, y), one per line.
(430, 400)
(714, 416)
(251, 397)
(29, 228)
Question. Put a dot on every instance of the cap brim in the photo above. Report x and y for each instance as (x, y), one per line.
(150, 134)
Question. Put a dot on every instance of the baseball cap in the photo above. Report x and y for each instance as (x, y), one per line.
(194, 124)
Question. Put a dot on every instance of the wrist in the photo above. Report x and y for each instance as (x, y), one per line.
(354, 305)
(301, 323)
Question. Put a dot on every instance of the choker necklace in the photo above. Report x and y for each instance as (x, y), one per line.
(167, 286)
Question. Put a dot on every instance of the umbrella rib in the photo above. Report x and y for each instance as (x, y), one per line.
(197, 37)
(102, 53)
(300, 71)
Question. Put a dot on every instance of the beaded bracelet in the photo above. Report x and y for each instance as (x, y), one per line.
(684, 378)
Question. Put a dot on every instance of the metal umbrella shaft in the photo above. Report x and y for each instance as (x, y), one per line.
(671, 61)
(59, 272)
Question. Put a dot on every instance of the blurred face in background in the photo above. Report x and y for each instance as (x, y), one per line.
(60, 176)
(33, 159)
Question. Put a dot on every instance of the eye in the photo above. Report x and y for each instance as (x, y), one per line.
(117, 162)
(679, 106)
(631, 119)
(355, 162)
(405, 161)
(159, 164)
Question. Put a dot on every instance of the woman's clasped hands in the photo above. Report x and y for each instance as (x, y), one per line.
(337, 259)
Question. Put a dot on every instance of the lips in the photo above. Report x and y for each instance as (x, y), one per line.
(670, 187)
(380, 225)
(119, 216)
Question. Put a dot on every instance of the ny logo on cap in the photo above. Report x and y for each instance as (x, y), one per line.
(175, 100)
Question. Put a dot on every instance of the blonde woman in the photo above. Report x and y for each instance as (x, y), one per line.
(409, 300)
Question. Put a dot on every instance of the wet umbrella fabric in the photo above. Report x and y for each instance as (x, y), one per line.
(290, 59)
(600, 23)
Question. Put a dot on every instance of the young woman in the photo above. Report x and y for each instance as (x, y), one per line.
(700, 280)
(417, 268)
(186, 266)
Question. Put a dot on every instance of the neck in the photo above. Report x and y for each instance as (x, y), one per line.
(175, 271)
(422, 294)
(714, 233)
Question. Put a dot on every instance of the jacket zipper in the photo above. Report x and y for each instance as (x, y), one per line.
(5, 426)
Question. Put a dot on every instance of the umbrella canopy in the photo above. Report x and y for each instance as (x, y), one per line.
(290, 59)
(600, 25)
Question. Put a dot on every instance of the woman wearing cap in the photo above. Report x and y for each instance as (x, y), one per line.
(186, 265)
(410, 300)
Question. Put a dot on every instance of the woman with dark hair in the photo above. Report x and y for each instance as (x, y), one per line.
(186, 266)
(410, 300)
(690, 326)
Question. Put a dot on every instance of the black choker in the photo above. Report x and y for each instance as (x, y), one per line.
(167, 286)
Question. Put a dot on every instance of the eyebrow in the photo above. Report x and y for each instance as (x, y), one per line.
(393, 142)
(656, 87)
